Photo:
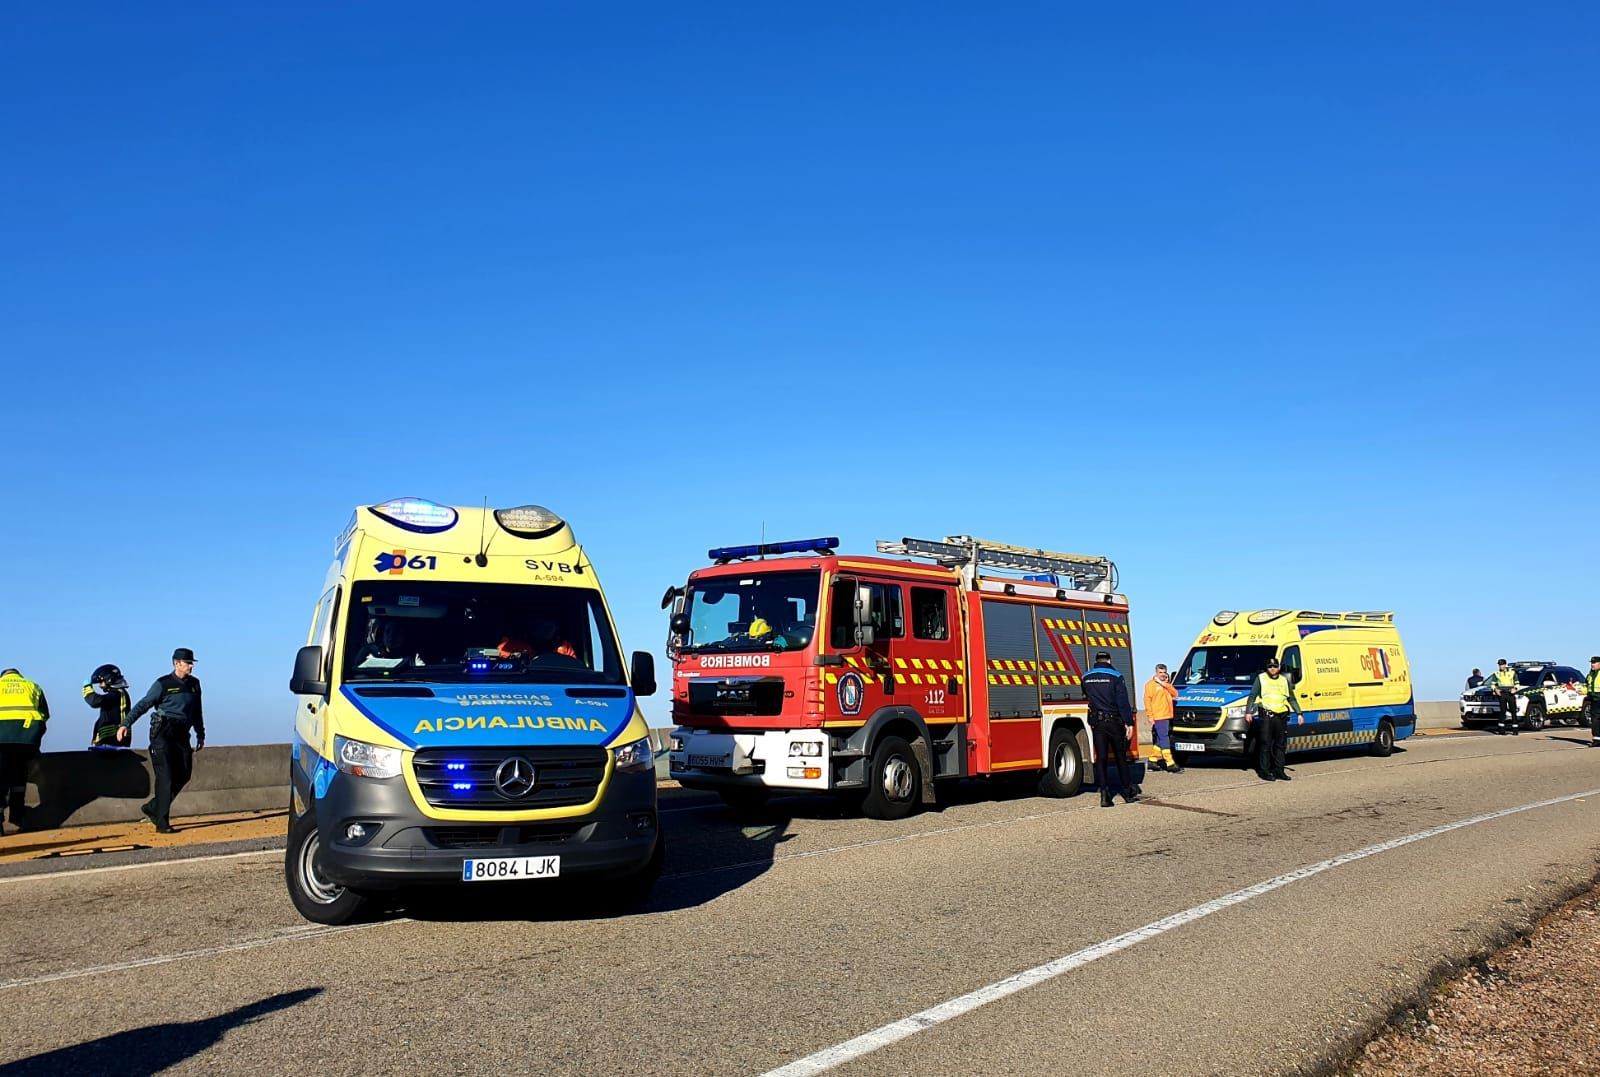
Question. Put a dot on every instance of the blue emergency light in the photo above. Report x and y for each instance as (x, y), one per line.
(479, 665)
(461, 787)
(723, 554)
(417, 514)
(1042, 577)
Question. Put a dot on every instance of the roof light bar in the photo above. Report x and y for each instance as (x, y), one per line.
(416, 514)
(723, 554)
(529, 521)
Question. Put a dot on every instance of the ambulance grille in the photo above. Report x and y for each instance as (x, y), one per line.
(465, 777)
(1195, 716)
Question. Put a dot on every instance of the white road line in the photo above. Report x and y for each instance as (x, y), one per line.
(44, 876)
(896, 1031)
(292, 934)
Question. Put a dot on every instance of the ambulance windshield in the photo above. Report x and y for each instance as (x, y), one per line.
(767, 611)
(1223, 665)
(462, 632)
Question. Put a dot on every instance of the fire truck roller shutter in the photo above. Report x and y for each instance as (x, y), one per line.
(1060, 659)
(1107, 630)
(1012, 659)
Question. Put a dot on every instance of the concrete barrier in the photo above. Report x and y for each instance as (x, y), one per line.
(70, 788)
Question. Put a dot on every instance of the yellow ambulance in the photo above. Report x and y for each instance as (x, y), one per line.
(1349, 672)
(463, 715)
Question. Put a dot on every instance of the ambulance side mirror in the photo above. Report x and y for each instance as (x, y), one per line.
(307, 679)
(643, 673)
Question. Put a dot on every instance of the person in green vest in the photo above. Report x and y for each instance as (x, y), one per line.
(1273, 697)
(1591, 697)
(23, 714)
(1504, 679)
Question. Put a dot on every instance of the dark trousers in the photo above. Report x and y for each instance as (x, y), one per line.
(14, 760)
(1272, 743)
(173, 762)
(1508, 711)
(1594, 717)
(1111, 743)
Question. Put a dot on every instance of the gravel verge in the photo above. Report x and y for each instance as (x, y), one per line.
(1531, 1007)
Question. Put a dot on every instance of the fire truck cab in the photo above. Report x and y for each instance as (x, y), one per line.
(799, 668)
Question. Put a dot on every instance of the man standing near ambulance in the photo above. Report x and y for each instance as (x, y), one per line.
(1273, 696)
(1159, 694)
(175, 698)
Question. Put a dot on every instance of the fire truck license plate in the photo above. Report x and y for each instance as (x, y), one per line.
(510, 867)
(1188, 746)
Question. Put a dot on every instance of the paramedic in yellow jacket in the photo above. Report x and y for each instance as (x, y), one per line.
(1273, 697)
(1159, 694)
(23, 714)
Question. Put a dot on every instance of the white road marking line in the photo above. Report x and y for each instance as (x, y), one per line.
(167, 863)
(866, 1043)
(292, 934)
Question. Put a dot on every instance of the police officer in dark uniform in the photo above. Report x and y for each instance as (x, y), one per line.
(1110, 717)
(1591, 700)
(107, 694)
(175, 698)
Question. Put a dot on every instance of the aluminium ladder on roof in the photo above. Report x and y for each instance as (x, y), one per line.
(969, 554)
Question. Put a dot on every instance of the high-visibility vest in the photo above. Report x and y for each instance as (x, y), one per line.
(1274, 693)
(1592, 682)
(22, 703)
(1505, 678)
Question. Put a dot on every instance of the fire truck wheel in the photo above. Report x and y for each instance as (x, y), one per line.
(743, 801)
(1063, 773)
(894, 783)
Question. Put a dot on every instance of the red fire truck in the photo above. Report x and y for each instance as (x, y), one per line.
(796, 667)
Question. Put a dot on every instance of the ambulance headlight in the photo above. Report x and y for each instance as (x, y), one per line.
(809, 748)
(529, 521)
(365, 760)
(635, 756)
(1238, 710)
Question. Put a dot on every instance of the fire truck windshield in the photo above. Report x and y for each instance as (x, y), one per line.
(762, 611)
(1223, 665)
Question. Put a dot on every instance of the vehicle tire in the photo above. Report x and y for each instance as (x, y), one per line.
(1063, 765)
(742, 801)
(317, 899)
(894, 781)
(1534, 719)
(1383, 744)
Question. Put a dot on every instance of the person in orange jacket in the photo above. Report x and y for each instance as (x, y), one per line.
(1159, 694)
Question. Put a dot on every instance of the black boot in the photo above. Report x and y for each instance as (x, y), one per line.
(1174, 769)
(1105, 797)
(1158, 764)
(1281, 776)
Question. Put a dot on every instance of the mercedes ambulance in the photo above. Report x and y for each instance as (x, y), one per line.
(463, 715)
(1349, 673)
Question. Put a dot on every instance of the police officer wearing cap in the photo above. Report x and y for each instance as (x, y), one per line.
(1591, 697)
(1110, 716)
(1273, 697)
(175, 700)
(1504, 680)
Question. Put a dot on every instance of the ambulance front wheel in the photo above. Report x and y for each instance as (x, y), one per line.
(894, 781)
(317, 899)
(1063, 773)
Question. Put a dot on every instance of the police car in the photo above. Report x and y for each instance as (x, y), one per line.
(1547, 692)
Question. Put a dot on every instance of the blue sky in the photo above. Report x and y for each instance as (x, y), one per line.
(1276, 306)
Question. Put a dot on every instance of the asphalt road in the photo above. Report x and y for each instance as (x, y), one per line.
(770, 941)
